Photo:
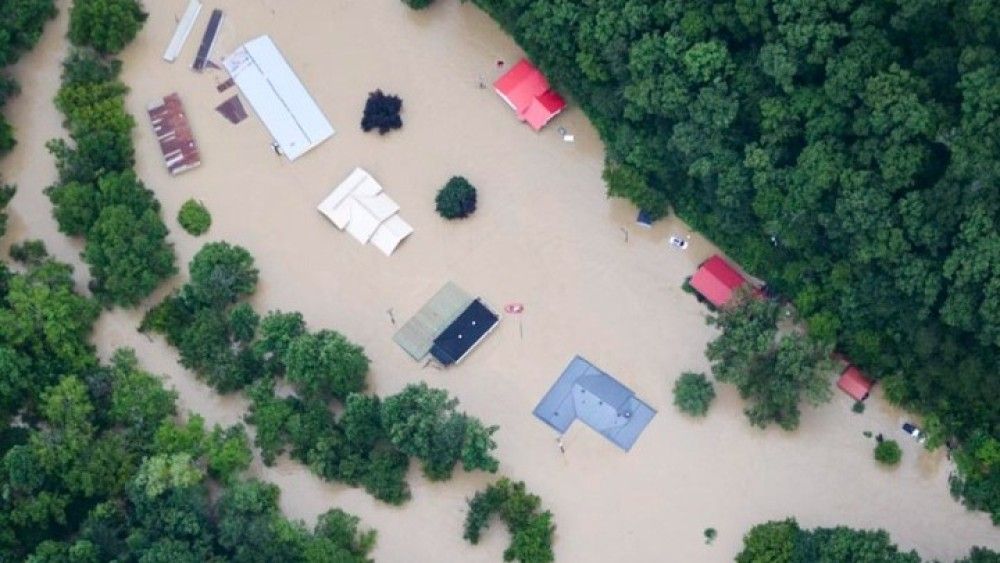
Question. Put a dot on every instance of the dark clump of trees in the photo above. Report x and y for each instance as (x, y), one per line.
(457, 199)
(783, 541)
(98, 195)
(106, 26)
(94, 466)
(531, 529)
(382, 113)
(773, 370)
(844, 151)
(366, 441)
(418, 4)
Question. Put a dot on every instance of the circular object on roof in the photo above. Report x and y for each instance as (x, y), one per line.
(514, 308)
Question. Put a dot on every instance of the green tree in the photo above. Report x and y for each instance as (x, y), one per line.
(773, 542)
(221, 274)
(326, 364)
(457, 199)
(693, 393)
(194, 217)
(422, 422)
(531, 528)
(106, 25)
(128, 255)
(887, 452)
(138, 400)
(418, 4)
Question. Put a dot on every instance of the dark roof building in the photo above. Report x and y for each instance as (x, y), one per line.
(585, 392)
(717, 281)
(464, 333)
(170, 125)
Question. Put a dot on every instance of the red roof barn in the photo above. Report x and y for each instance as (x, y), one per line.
(527, 92)
(716, 281)
(855, 383)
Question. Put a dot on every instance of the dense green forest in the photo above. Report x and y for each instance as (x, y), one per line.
(93, 466)
(847, 151)
(785, 541)
(368, 442)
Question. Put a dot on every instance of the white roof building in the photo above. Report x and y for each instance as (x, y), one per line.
(278, 97)
(359, 206)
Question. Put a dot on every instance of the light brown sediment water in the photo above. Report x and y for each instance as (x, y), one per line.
(544, 235)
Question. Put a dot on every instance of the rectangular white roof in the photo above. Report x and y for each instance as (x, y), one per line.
(184, 26)
(278, 97)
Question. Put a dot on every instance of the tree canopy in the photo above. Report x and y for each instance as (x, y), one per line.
(531, 528)
(107, 26)
(844, 151)
(97, 468)
(773, 370)
(328, 424)
(98, 195)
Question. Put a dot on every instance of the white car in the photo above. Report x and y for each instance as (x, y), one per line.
(912, 430)
(678, 242)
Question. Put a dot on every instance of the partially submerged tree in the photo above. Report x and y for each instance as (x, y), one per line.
(194, 217)
(887, 452)
(693, 393)
(773, 372)
(785, 542)
(457, 199)
(418, 4)
(382, 112)
(531, 528)
(105, 25)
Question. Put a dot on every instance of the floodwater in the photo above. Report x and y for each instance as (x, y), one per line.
(545, 235)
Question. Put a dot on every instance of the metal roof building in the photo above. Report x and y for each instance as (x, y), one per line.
(855, 383)
(585, 392)
(717, 281)
(527, 92)
(278, 97)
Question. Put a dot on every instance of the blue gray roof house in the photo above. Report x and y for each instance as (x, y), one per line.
(585, 392)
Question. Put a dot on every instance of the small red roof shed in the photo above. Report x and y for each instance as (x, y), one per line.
(716, 281)
(855, 383)
(527, 92)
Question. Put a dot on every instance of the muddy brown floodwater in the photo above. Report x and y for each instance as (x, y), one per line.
(545, 235)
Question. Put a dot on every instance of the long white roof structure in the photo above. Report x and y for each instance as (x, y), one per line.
(184, 26)
(359, 206)
(278, 97)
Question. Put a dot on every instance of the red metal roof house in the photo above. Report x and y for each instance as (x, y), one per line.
(527, 92)
(855, 383)
(717, 281)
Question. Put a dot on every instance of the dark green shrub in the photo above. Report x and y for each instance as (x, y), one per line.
(693, 393)
(418, 4)
(887, 452)
(194, 217)
(457, 199)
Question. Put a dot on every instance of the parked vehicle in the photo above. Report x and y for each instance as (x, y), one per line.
(679, 242)
(917, 433)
